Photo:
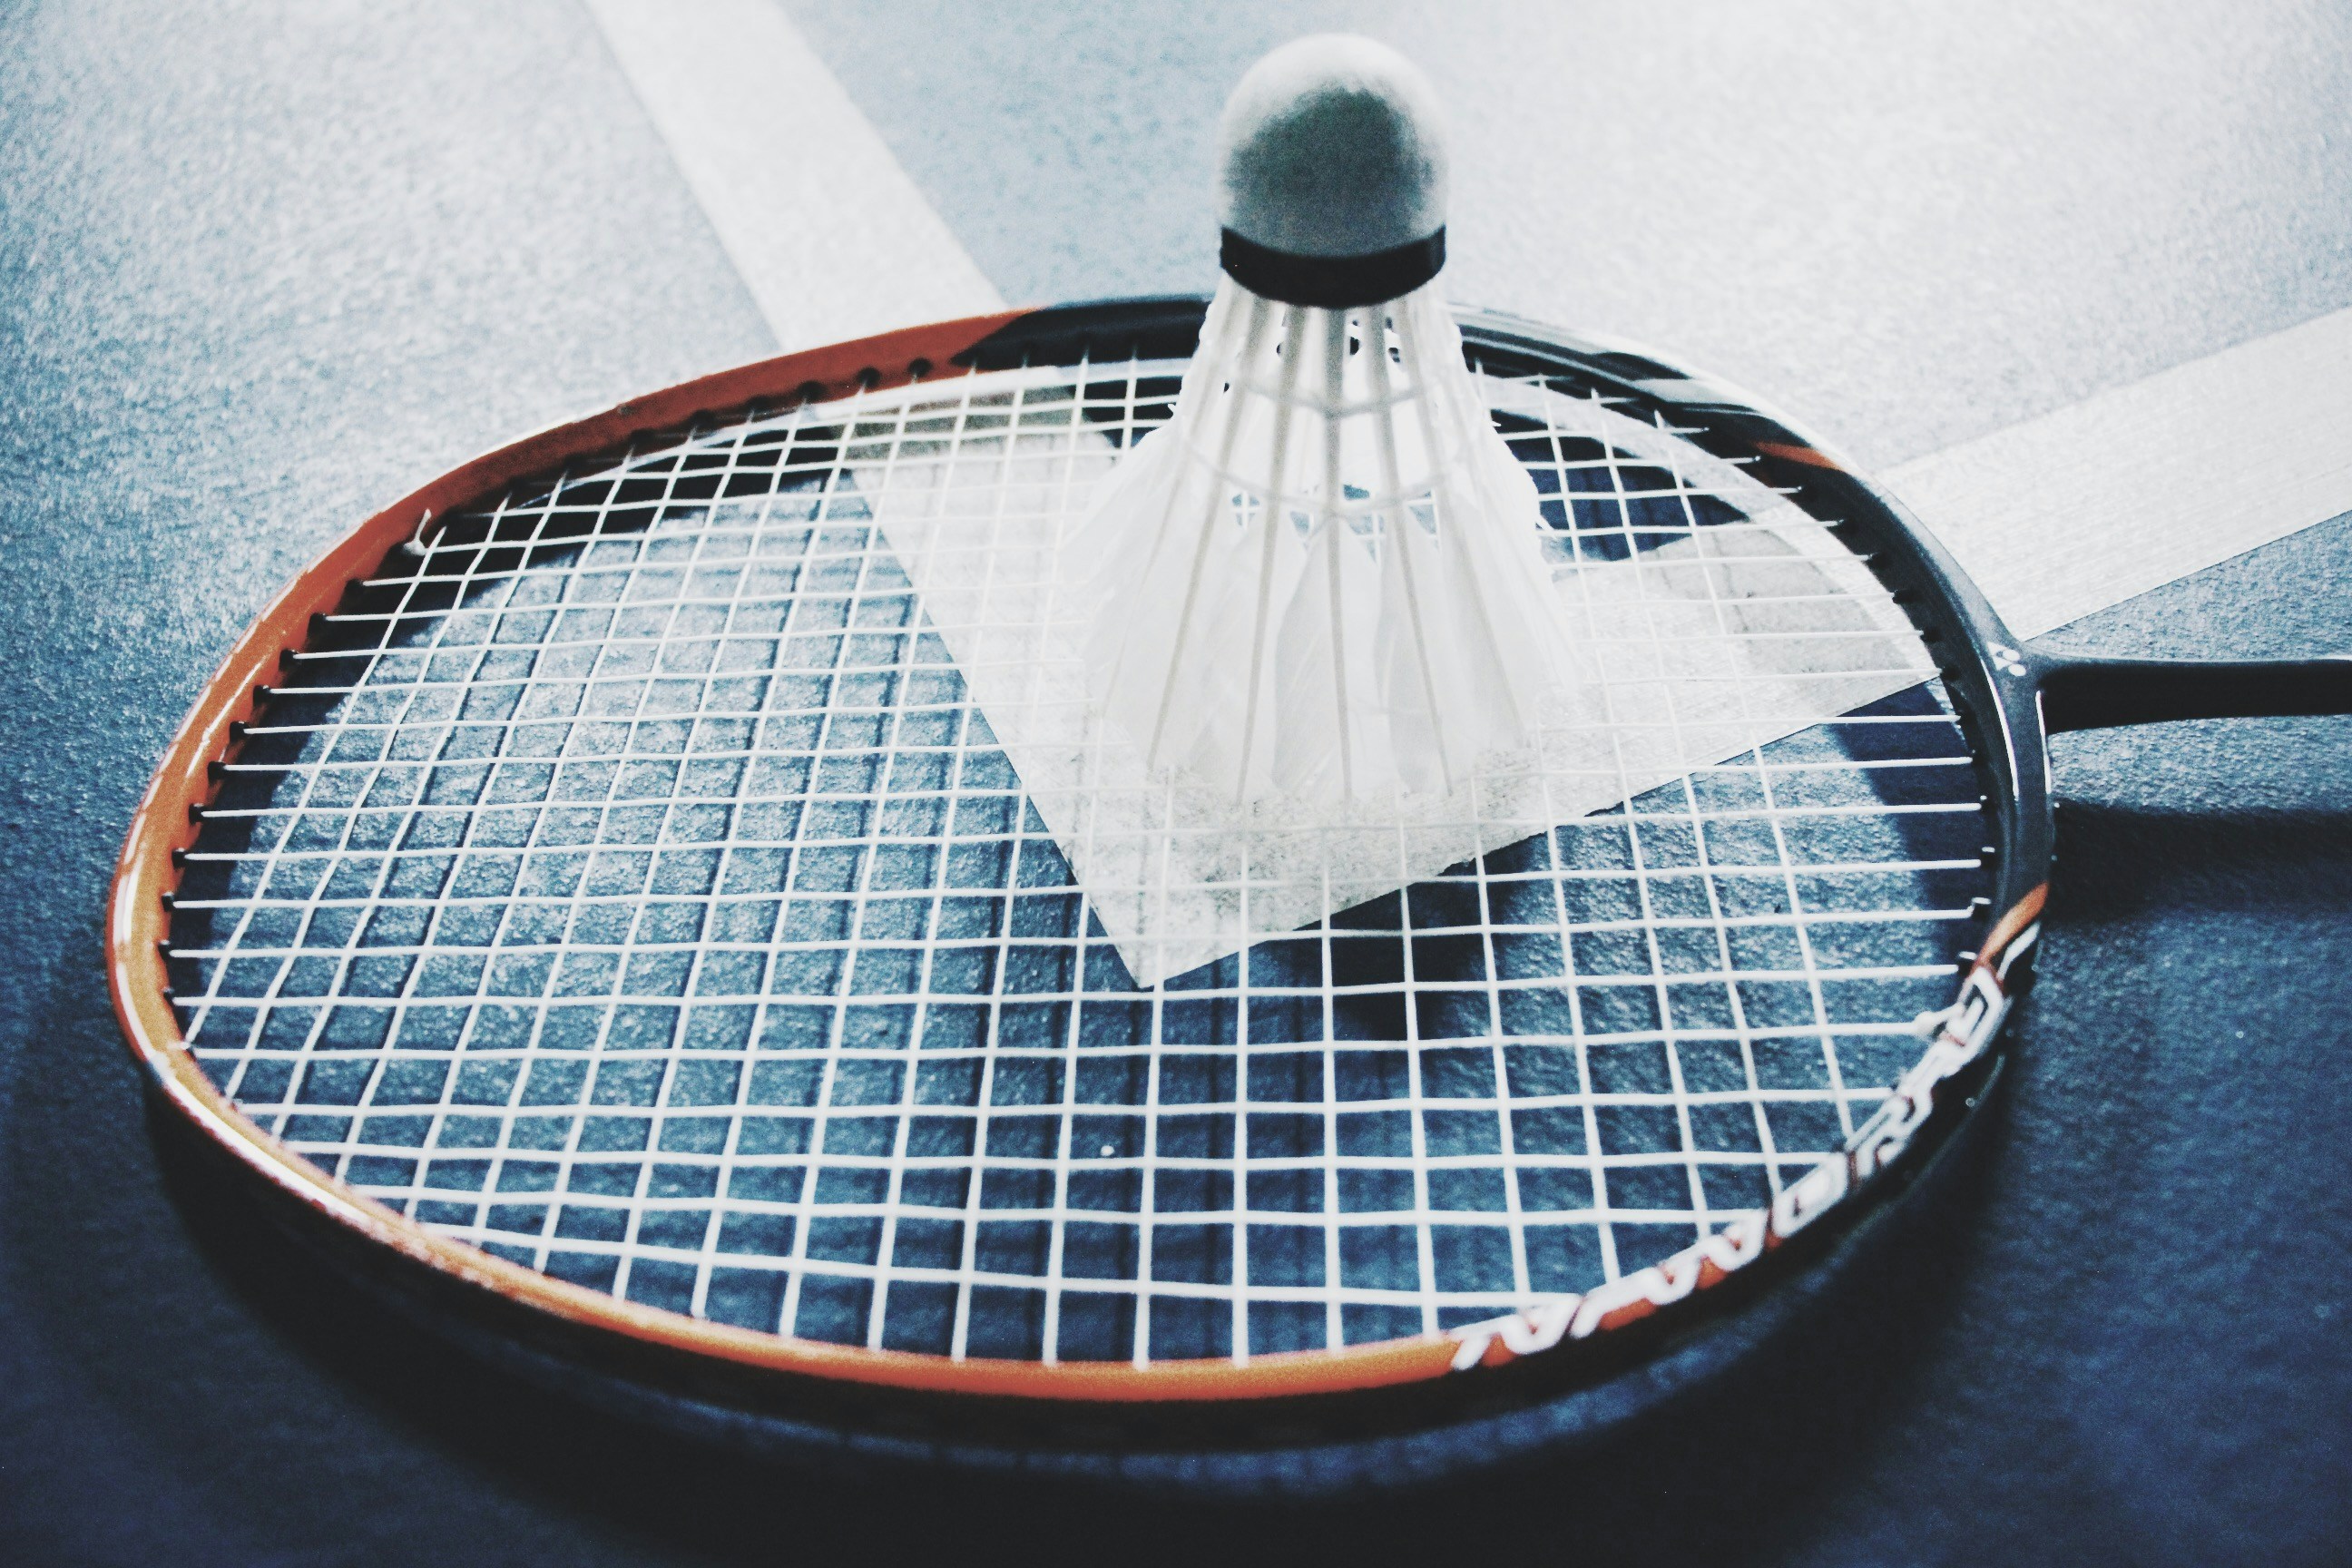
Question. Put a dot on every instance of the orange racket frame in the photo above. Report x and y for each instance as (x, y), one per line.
(167, 821)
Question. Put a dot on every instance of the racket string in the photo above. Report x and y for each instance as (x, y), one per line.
(1275, 1182)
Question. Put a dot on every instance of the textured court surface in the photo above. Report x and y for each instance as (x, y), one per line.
(263, 270)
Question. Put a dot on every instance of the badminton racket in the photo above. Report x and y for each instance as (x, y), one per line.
(603, 896)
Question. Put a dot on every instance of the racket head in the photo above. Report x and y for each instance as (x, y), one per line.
(1518, 1338)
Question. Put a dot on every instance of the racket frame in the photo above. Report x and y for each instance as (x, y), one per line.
(1994, 684)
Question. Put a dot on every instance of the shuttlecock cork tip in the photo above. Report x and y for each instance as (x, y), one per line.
(1334, 164)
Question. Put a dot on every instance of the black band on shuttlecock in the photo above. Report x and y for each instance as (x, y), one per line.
(1333, 282)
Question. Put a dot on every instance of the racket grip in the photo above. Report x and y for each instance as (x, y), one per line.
(2082, 691)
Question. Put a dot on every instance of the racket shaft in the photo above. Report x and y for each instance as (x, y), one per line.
(2084, 692)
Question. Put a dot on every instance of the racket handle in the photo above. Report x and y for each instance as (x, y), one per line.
(2083, 692)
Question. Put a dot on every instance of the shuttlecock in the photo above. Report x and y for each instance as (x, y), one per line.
(1323, 576)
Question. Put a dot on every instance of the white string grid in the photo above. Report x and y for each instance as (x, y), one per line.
(627, 885)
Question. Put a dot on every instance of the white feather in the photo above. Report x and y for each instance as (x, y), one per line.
(1325, 576)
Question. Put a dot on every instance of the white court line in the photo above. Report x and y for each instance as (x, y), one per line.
(2055, 517)
(831, 237)
(2148, 482)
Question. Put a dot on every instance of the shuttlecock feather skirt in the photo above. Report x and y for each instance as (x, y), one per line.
(1323, 576)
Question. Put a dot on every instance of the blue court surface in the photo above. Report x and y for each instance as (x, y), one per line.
(264, 268)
